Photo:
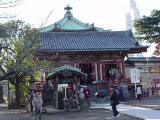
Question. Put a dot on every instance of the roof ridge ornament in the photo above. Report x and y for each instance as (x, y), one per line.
(57, 25)
(68, 12)
(92, 25)
(137, 43)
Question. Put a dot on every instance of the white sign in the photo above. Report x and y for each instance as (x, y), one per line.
(135, 76)
(5, 89)
(158, 85)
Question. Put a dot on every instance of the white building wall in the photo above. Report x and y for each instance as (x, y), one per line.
(146, 77)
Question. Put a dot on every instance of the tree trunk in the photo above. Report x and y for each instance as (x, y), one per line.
(17, 93)
(1, 94)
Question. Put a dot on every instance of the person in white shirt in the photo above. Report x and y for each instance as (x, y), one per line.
(81, 97)
(139, 93)
(37, 106)
(81, 94)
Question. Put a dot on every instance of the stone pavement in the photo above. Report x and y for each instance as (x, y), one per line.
(144, 113)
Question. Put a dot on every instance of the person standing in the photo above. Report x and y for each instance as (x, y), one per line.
(81, 97)
(139, 93)
(114, 99)
(37, 106)
(29, 102)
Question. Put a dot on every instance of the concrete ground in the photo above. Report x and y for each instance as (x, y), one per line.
(91, 114)
(139, 112)
(148, 102)
(146, 108)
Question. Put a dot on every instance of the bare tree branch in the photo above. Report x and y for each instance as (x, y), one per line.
(8, 6)
(9, 2)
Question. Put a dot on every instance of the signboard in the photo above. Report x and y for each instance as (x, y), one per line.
(158, 85)
(135, 75)
(154, 69)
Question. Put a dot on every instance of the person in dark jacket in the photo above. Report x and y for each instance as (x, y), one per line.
(121, 95)
(114, 99)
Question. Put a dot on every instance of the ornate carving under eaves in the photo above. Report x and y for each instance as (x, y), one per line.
(97, 55)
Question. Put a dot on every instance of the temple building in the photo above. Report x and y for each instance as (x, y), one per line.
(83, 56)
(97, 52)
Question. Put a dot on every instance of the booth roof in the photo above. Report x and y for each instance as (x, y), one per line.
(66, 68)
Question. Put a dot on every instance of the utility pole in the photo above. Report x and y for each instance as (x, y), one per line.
(148, 76)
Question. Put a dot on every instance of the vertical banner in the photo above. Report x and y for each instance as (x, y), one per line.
(135, 75)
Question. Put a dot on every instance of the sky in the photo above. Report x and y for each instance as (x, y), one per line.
(107, 14)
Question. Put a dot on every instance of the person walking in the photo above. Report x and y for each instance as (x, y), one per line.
(139, 93)
(114, 100)
(37, 106)
(121, 94)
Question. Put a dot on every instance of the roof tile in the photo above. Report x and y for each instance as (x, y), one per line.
(87, 41)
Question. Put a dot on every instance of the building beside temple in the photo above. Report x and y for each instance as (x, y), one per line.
(149, 69)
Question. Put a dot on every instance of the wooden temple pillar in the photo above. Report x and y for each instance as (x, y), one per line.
(101, 71)
(56, 92)
(104, 71)
(123, 68)
(96, 70)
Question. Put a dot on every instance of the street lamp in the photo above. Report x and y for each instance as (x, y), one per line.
(149, 83)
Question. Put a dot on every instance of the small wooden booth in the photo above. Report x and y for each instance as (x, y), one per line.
(65, 90)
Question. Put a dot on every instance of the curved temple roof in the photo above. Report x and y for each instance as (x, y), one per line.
(88, 41)
(71, 35)
(69, 23)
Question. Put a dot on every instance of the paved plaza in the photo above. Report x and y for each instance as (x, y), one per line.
(147, 108)
(91, 114)
(130, 110)
(152, 102)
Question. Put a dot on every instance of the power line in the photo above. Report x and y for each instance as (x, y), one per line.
(46, 19)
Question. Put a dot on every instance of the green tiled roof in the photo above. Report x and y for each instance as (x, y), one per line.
(69, 23)
(64, 68)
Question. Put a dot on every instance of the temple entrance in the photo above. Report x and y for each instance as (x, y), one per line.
(112, 72)
(87, 68)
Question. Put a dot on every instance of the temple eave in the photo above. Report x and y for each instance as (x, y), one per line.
(64, 52)
(72, 30)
